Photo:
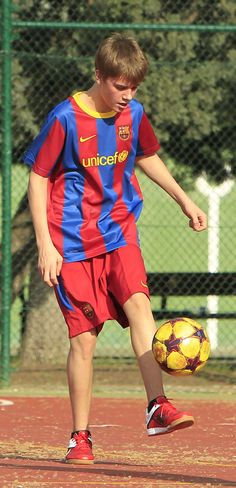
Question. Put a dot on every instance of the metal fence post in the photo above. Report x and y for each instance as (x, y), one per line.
(6, 190)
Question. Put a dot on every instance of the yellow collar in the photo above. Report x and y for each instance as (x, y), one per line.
(93, 113)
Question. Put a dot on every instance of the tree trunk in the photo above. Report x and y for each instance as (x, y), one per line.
(44, 332)
(45, 341)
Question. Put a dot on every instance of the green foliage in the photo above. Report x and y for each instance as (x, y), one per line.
(188, 93)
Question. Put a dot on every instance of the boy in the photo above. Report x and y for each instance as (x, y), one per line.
(85, 200)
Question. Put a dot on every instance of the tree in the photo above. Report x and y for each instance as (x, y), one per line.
(190, 82)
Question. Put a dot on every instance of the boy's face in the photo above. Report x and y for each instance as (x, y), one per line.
(115, 93)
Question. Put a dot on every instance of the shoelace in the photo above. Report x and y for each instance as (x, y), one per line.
(82, 438)
(161, 411)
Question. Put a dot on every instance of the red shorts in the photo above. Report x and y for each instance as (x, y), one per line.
(94, 290)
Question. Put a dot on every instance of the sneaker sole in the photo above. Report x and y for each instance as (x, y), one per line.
(79, 461)
(181, 423)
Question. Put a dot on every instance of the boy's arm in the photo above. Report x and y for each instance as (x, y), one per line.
(156, 170)
(49, 260)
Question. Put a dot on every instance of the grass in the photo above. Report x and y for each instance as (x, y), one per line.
(120, 378)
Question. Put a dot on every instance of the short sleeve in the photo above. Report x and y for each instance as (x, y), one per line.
(45, 150)
(147, 141)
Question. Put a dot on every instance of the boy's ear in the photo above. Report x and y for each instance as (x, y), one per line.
(98, 76)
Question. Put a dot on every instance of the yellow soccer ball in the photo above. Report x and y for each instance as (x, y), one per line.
(181, 346)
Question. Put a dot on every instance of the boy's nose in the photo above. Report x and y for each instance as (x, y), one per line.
(128, 96)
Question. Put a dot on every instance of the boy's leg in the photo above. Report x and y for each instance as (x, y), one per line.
(161, 416)
(80, 374)
(83, 305)
(142, 329)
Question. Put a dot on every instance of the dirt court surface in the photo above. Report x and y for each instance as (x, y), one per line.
(35, 432)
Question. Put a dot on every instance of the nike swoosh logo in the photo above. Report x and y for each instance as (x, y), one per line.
(84, 139)
(144, 284)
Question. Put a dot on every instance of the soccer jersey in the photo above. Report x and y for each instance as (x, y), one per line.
(94, 198)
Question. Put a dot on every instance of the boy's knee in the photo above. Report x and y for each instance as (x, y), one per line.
(84, 344)
(138, 303)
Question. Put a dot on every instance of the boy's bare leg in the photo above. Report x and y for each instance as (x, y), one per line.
(142, 329)
(80, 375)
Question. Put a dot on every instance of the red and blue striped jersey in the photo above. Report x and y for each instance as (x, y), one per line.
(94, 198)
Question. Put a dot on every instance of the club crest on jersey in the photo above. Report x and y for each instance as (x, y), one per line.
(124, 132)
(87, 310)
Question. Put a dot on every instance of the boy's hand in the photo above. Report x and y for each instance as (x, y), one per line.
(197, 218)
(49, 264)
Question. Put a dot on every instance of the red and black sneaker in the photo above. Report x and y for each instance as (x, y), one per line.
(162, 417)
(80, 448)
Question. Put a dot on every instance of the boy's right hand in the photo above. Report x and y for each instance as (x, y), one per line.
(49, 264)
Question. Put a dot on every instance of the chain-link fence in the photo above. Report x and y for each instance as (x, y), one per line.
(188, 95)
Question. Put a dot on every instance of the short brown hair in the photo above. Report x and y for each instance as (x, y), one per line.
(121, 56)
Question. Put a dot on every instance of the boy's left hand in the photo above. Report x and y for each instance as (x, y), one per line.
(197, 218)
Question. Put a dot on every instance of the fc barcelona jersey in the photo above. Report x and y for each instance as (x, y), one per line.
(94, 198)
